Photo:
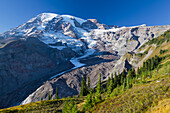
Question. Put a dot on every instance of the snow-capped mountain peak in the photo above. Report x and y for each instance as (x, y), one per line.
(53, 28)
(46, 17)
(62, 31)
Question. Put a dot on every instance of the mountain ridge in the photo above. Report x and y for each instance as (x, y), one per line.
(76, 48)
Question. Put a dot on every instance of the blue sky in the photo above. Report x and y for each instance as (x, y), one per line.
(111, 12)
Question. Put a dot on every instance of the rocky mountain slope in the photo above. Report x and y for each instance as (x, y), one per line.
(149, 91)
(52, 50)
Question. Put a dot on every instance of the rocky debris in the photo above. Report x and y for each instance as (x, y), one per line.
(126, 39)
(69, 83)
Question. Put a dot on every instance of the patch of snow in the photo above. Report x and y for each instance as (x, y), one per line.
(88, 53)
(41, 26)
(86, 36)
(58, 47)
(102, 31)
(70, 18)
(51, 38)
(76, 62)
(47, 16)
(19, 34)
(143, 25)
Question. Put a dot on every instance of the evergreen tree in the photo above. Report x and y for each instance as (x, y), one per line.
(41, 99)
(112, 81)
(110, 88)
(152, 63)
(98, 90)
(57, 93)
(74, 109)
(123, 76)
(88, 103)
(93, 100)
(119, 78)
(127, 83)
(123, 86)
(71, 105)
(108, 83)
(115, 80)
(83, 91)
(65, 108)
(133, 73)
(138, 72)
(143, 76)
(88, 85)
(49, 96)
(117, 90)
(130, 82)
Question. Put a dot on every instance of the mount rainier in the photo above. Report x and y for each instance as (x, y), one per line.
(52, 50)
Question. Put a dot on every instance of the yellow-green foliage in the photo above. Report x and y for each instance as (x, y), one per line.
(41, 106)
(156, 45)
(160, 40)
(141, 97)
(128, 56)
(162, 107)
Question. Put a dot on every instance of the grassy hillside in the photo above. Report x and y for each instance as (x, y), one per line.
(151, 94)
(150, 91)
(142, 97)
(46, 106)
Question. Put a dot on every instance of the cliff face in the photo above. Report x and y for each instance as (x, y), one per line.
(24, 61)
(52, 50)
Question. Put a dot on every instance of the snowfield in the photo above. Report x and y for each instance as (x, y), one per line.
(76, 62)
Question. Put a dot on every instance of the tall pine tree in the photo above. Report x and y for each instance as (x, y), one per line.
(108, 83)
(57, 93)
(133, 73)
(88, 85)
(123, 76)
(49, 96)
(115, 80)
(123, 86)
(110, 88)
(98, 90)
(83, 91)
(88, 103)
